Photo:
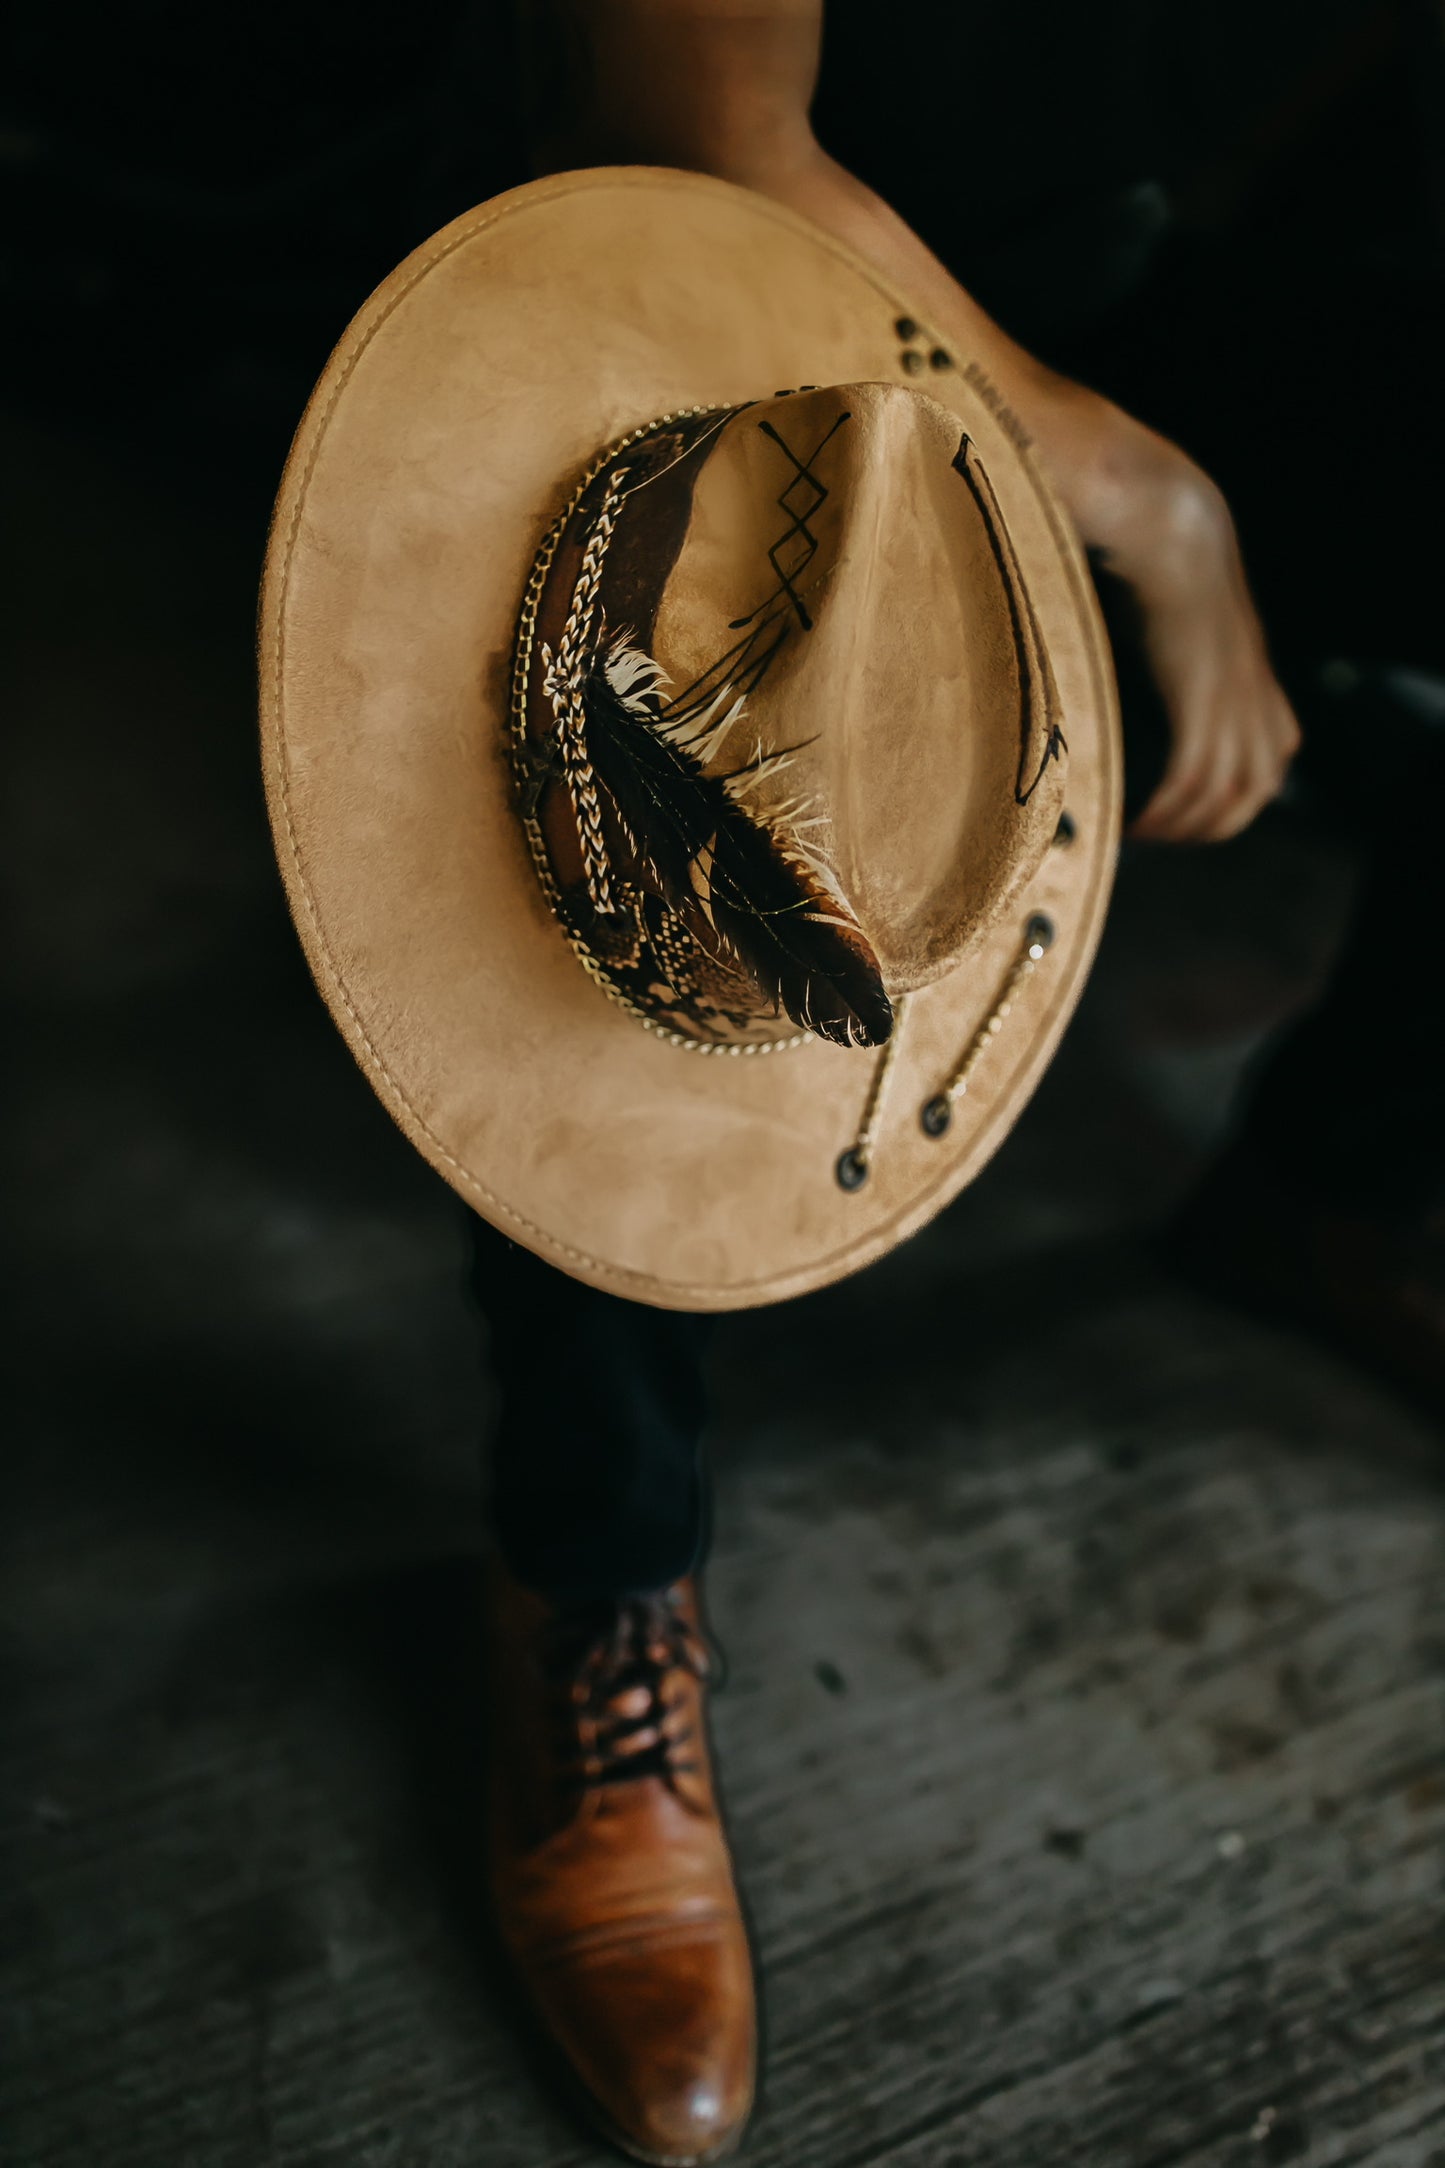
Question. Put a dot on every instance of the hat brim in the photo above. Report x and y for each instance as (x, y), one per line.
(443, 437)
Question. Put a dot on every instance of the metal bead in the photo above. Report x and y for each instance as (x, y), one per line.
(936, 1115)
(851, 1170)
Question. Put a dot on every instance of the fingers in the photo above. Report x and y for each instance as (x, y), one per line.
(1226, 766)
(1209, 804)
(1170, 815)
(1172, 540)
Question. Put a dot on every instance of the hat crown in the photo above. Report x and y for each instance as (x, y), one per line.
(853, 521)
(810, 608)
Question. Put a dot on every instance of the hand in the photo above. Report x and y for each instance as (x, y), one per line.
(1164, 527)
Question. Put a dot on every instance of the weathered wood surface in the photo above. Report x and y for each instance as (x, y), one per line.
(1085, 1744)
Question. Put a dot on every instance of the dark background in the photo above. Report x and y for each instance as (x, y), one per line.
(1229, 216)
(241, 1498)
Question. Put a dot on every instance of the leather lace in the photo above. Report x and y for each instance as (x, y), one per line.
(610, 1662)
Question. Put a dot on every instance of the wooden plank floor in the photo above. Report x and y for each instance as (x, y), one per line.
(1084, 1743)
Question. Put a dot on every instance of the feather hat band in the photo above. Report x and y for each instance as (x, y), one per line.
(786, 715)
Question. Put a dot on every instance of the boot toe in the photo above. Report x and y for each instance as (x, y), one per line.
(660, 2031)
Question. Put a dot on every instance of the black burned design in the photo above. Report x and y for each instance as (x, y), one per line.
(798, 530)
(1041, 740)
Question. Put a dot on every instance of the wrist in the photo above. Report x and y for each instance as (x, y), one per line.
(1099, 459)
(1129, 490)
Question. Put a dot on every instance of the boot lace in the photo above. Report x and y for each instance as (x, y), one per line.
(609, 1663)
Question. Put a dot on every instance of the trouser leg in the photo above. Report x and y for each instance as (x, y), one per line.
(597, 1483)
(1345, 1106)
(1348, 1103)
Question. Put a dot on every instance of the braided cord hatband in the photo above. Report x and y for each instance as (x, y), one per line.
(562, 688)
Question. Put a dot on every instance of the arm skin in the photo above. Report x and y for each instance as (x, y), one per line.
(725, 87)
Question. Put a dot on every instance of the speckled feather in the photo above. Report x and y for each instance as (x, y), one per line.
(755, 893)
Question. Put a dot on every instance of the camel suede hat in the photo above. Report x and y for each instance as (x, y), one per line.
(689, 735)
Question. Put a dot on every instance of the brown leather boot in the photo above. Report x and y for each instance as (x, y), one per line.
(610, 1868)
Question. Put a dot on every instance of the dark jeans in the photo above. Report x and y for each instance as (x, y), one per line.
(597, 1484)
(597, 1479)
(1348, 1106)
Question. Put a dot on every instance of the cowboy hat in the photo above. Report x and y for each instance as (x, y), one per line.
(689, 736)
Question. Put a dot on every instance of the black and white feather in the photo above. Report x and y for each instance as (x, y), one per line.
(755, 893)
